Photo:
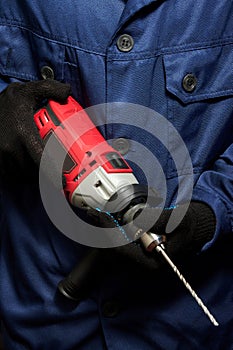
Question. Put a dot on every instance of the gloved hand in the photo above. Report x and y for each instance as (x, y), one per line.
(20, 145)
(188, 237)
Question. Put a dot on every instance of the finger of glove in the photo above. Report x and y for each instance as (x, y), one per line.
(197, 228)
(47, 89)
(28, 134)
(34, 147)
(154, 219)
(49, 166)
(135, 254)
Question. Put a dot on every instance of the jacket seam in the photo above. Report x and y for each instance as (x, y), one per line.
(171, 50)
(118, 56)
(216, 93)
(53, 39)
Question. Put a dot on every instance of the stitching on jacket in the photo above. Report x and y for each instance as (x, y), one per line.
(118, 56)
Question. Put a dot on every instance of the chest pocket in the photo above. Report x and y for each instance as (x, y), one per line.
(24, 54)
(211, 69)
(199, 85)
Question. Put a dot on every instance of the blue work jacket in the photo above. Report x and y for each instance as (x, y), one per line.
(175, 58)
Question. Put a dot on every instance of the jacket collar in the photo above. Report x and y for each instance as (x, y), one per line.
(131, 8)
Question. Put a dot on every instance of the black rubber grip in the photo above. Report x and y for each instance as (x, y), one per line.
(79, 281)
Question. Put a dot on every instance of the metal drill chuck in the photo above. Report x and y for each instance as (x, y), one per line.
(151, 240)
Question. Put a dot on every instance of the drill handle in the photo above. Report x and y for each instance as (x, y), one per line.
(79, 281)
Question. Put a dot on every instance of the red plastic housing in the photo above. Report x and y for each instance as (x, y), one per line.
(85, 146)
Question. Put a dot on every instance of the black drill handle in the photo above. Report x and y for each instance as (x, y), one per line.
(77, 284)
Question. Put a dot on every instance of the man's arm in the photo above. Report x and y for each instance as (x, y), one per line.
(215, 188)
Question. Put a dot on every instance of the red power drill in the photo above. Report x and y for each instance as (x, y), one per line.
(97, 176)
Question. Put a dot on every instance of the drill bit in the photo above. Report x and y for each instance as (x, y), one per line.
(160, 250)
(151, 242)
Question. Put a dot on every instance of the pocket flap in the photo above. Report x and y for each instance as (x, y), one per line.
(211, 67)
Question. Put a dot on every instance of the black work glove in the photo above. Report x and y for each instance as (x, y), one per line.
(20, 145)
(188, 237)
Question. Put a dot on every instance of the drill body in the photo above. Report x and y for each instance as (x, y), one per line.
(96, 175)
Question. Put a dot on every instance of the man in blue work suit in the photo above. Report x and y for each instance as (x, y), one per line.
(174, 57)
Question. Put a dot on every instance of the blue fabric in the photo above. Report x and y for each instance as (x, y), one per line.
(78, 40)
